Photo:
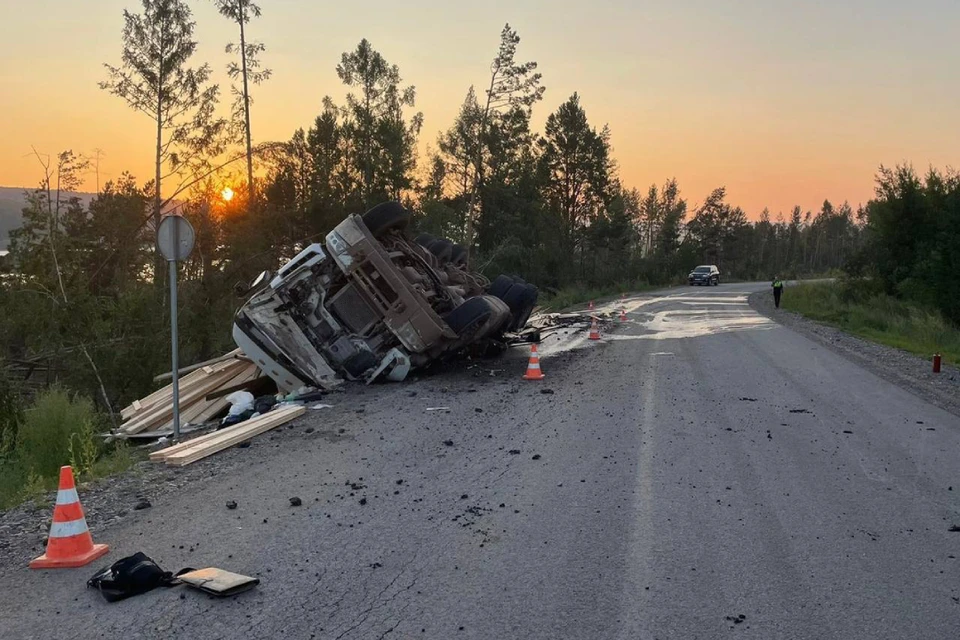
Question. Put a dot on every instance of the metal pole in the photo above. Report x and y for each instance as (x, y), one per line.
(175, 355)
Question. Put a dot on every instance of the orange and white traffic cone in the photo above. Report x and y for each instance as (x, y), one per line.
(533, 369)
(70, 543)
(594, 329)
(623, 315)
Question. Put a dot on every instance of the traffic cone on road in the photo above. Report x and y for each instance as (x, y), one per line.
(594, 329)
(623, 315)
(70, 543)
(591, 305)
(533, 369)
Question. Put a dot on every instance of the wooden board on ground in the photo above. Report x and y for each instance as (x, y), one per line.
(159, 414)
(165, 395)
(202, 410)
(228, 437)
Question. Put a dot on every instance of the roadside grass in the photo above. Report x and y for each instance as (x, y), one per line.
(56, 430)
(876, 317)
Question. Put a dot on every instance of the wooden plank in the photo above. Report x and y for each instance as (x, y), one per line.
(164, 397)
(227, 356)
(189, 444)
(251, 381)
(164, 411)
(164, 394)
(234, 435)
(201, 407)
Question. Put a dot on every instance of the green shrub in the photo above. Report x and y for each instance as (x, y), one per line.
(46, 439)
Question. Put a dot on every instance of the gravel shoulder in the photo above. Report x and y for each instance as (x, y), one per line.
(894, 365)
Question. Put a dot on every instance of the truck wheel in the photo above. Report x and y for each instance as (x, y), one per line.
(458, 255)
(424, 240)
(521, 298)
(477, 318)
(385, 217)
(442, 248)
(501, 285)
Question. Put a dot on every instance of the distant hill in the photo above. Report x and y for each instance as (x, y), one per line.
(12, 202)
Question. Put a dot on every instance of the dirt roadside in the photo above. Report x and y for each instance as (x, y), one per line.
(894, 365)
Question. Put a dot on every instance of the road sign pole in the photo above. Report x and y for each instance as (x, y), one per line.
(174, 343)
(175, 238)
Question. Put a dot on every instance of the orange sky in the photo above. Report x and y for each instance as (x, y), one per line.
(783, 101)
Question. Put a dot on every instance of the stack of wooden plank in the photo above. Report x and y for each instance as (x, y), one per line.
(202, 397)
(180, 455)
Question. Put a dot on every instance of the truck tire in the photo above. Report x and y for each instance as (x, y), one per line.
(442, 248)
(477, 318)
(521, 298)
(458, 255)
(386, 217)
(501, 285)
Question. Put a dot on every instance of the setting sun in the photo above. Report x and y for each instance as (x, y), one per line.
(227, 194)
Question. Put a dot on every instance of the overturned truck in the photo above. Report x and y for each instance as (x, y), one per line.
(370, 302)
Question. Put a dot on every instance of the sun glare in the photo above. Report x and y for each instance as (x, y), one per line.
(227, 194)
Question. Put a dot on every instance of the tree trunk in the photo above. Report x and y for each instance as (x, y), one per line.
(158, 270)
(246, 107)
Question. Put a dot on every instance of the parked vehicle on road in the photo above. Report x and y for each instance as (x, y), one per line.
(704, 275)
(371, 302)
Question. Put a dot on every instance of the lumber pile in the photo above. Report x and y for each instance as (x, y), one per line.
(180, 455)
(201, 397)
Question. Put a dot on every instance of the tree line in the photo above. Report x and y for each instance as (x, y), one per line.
(87, 305)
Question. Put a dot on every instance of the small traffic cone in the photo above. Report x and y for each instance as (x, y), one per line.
(623, 315)
(70, 543)
(533, 369)
(594, 329)
(591, 305)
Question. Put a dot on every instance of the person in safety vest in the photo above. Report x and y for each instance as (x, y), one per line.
(777, 290)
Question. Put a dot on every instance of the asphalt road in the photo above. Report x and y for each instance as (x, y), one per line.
(702, 472)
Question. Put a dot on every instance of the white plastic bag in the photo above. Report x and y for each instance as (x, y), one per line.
(240, 401)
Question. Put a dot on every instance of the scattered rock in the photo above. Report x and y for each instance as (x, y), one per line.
(232, 504)
(308, 430)
(536, 457)
(954, 529)
(464, 497)
(799, 411)
(847, 431)
(295, 501)
(546, 392)
(514, 452)
(478, 410)
(399, 482)
(142, 504)
(748, 399)
(376, 565)
(448, 443)
(363, 501)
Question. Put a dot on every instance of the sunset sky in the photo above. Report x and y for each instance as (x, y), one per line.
(783, 101)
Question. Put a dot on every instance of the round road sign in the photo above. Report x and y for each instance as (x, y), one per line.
(175, 238)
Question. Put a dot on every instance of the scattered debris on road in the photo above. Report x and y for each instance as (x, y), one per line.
(231, 504)
(295, 502)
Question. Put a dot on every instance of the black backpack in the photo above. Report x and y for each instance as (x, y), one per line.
(131, 576)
